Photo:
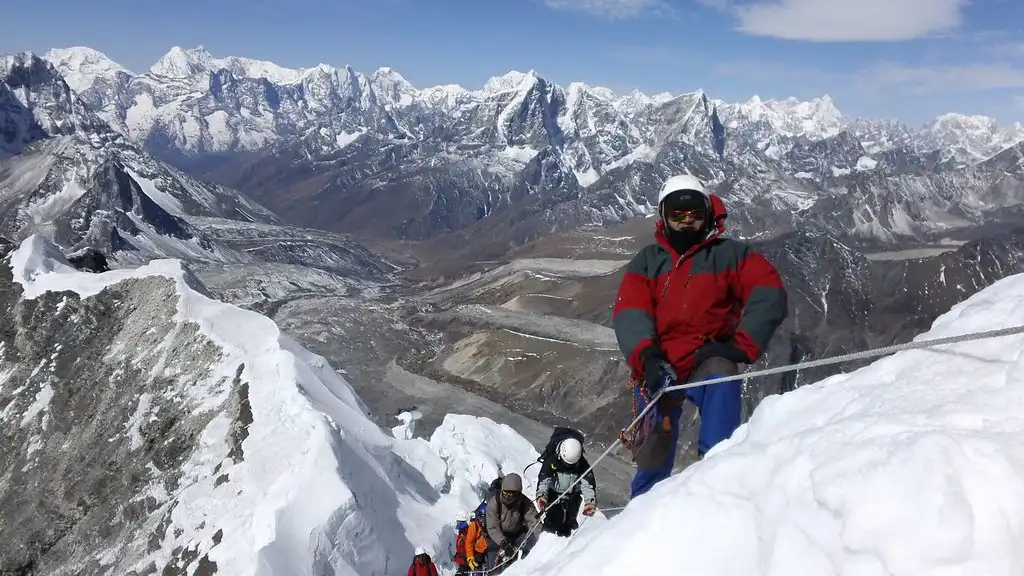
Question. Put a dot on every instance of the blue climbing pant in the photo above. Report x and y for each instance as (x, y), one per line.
(719, 406)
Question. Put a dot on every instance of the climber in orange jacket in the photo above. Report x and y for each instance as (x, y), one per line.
(476, 543)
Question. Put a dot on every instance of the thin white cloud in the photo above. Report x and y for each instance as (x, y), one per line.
(939, 79)
(646, 54)
(614, 9)
(845, 20)
(1008, 49)
(883, 81)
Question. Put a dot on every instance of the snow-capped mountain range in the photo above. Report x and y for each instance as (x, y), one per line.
(358, 145)
(65, 173)
(205, 104)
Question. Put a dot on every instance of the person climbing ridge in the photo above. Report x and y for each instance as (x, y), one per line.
(691, 306)
(562, 463)
(422, 565)
(509, 520)
(461, 530)
(475, 547)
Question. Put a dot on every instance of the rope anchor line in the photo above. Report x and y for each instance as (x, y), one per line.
(869, 353)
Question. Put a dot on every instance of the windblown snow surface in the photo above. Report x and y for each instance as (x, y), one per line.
(912, 465)
(321, 489)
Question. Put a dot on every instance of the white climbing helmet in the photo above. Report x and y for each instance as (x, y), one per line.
(419, 551)
(462, 517)
(570, 450)
(680, 182)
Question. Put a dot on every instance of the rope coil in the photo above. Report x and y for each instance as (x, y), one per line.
(870, 353)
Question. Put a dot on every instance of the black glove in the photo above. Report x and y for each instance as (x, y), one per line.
(726, 350)
(508, 549)
(656, 368)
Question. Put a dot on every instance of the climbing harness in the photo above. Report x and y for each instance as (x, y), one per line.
(870, 353)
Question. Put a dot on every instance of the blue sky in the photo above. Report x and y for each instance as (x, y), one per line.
(907, 59)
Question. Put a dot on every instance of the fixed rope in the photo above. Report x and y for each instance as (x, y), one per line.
(870, 353)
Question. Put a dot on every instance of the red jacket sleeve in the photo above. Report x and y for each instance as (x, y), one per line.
(633, 315)
(759, 287)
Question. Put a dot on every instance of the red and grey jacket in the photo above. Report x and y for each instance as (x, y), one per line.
(721, 289)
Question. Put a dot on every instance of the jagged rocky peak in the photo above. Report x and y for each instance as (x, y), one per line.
(834, 156)
(816, 118)
(969, 137)
(71, 176)
(359, 133)
(82, 66)
(113, 193)
(599, 92)
(512, 80)
(36, 102)
(1009, 161)
(393, 85)
(955, 123)
(181, 63)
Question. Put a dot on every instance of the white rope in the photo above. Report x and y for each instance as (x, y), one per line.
(870, 353)
(874, 352)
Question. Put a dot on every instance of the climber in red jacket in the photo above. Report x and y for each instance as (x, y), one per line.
(691, 306)
(422, 565)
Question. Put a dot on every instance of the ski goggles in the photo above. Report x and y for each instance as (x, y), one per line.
(509, 493)
(684, 215)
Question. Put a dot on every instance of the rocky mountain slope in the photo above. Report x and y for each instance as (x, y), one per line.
(334, 148)
(149, 429)
(65, 173)
(68, 174)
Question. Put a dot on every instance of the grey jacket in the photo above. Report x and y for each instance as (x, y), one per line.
(553, 479)
(509, 520)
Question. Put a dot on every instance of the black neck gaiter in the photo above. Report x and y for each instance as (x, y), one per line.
(683, 240)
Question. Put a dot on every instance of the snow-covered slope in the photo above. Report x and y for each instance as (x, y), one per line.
(171, 432)
(375, 153)
(911, 465)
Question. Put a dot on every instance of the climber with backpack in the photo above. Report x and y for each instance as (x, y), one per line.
(509, 520)
(493, 489)
(562, 463)
(459, 558)
(475, 544)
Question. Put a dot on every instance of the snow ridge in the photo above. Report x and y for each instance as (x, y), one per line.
(312, 486)
(911, 465)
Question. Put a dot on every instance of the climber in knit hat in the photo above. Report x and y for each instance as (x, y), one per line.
(510, 517)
